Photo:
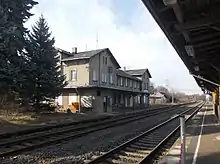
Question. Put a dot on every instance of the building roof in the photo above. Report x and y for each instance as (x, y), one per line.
(102, 87)
(81, 55)
(138, 72)
(157, 95)
(193, 30)
(124, 74)
(86, 55)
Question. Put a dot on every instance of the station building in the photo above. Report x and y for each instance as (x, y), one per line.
(96, 82)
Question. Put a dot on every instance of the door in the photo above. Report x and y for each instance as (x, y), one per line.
(105, 103)
(73, 98)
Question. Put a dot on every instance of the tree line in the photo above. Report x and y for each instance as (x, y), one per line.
(28, 62)
(178, 96)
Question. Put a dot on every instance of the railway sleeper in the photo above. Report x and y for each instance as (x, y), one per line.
(125, 159)
(130, 149)
(114, 161)
(27, 144)
(149, 143)
(139, 147)
(146, 145)
(133, 154)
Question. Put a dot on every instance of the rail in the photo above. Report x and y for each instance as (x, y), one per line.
(150, 142)
(15, 145)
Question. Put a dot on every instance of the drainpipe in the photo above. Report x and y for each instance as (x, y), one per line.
(99, 70)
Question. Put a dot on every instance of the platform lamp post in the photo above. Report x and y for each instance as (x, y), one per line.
(183, 140)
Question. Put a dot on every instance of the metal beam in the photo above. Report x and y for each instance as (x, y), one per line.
(197, 24)
(164, 9)
(214, 47)
(205, 37)
(205, 60)
(207, 54)
(204, 79)
(207, 43)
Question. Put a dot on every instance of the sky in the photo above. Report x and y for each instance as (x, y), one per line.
(125, 27)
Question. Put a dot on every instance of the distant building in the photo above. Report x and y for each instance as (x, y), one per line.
(158, 98)
(96, 82)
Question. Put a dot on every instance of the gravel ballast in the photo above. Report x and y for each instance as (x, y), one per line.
(79, 150)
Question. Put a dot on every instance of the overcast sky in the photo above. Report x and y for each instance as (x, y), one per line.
(125, 27)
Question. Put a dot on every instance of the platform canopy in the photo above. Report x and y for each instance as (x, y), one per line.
(193, 28)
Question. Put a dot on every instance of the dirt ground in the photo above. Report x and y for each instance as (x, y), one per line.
(12, 120)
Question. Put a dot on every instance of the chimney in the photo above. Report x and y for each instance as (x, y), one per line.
(74, 50)
(124, 68)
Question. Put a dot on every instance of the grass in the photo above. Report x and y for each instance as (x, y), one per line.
(19, 120)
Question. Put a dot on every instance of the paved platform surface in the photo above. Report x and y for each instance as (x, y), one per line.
(202, 141)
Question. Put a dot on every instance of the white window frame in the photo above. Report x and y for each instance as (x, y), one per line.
(103, 77)
(126, 82)
(131, 83)
(111, 78)
(121, 81)
(71, 75)
(118, 80)
(94, 75)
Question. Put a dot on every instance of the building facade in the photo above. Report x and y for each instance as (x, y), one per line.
(157, 98)
(97, 83)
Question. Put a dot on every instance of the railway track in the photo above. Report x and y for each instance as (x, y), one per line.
(24, 142)
(144, 148)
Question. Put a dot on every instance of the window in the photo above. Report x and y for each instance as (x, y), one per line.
(98, 93)
(131, 83)
(145, 85)
(111, 78)
(135, 84)
(94, 75)
(126, 82)
(121, 81)
(139, 85)
(118, 80)
(103, 76)
(73, 75)
(104, 59)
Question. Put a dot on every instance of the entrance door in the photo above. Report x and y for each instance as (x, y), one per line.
(105, 103)
(73, 98)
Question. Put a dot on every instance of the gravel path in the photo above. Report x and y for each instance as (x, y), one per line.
(81, 149)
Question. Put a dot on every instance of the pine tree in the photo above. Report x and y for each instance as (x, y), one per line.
(13, 14)
(48, 80)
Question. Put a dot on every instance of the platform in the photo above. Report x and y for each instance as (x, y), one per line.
(202, 141)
